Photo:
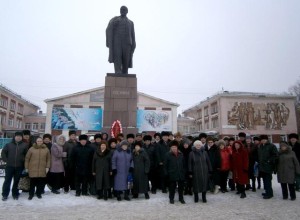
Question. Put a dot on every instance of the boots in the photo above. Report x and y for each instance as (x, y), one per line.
(109, 194)
(118, 193)
(243, 195)
(253, 185)
(196, 197)
(100, 194)
(258, 183)
(147, 196)
(126, 195)
(105, 194)
(204, 197)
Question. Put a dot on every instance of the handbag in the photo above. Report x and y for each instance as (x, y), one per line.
(24, 183)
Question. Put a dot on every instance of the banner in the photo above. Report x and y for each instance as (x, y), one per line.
(154, 120)
(77, 118)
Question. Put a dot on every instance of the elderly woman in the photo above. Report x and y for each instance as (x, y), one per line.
(287, 168)
(57, 166)
(122, 165)
(37, 164)
(199, 168)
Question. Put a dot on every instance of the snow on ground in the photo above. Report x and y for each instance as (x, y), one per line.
(219, 206)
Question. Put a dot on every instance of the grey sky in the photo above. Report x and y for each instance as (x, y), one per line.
(186, 50)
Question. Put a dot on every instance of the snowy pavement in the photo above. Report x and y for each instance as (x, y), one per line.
(219, 206)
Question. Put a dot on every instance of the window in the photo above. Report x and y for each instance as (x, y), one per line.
(42, 126)
(200, 126)
(3, 101)
(2, 119)
(214, 108)
(192, 129)
(206, 125)
(199, 112)
(206, 111)
(35, 126)
(28, 126)
(11, 122)
(12, 105)
(185, 129)
(214, 123)
(19, 123)
(20, 108)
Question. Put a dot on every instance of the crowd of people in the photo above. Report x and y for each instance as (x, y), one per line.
(124, 168)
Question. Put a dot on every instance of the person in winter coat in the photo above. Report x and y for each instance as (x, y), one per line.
(231, 183)
(150, 149)
(102, 170)
(294, 143)
(287, 169)
(122, 165)
(112, 144)
(57, 167)
(174, 166)
(141, 163)
(215, 161)
(186, 149)
(69, 178)
(81, 160)
(240, 167)
(199, 170)
(267, 156)
(37, 164)
(162, 148)
(13, 154)
(225, 165)
(253, 156)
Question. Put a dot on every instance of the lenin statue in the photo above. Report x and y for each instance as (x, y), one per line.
(120, 39)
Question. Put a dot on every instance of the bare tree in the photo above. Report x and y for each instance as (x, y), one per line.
(295, 90)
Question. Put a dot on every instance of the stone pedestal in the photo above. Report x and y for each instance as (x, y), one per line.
(120, 101)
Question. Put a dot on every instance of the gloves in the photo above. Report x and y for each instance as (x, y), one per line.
(47, 170)
(114, 172)
(131, 170)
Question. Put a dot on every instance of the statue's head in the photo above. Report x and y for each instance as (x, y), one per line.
(124, 11)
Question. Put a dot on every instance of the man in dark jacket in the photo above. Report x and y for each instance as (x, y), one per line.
(174, 166)
(267, 156)
(14, 155)
(161, 150)
(69, 180)
(149, 148)
(293, 142)
(81, 160)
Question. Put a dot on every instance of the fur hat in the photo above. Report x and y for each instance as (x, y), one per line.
(83, 137)
(138, 135)
(164, 133)
(231, 139)
(97, 136)
(226, 138)
(202, 135)
(47, 136)
(130, 136)
(147, 138)
(294, 135)
(18, 133)
(221, 142)
(263, 137)
(256, 138)
(139, 143)
(72, 132)
(242, 134)
(174, 143)
(26, 132)
(156, 134)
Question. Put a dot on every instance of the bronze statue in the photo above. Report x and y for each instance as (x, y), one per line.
(120, 39)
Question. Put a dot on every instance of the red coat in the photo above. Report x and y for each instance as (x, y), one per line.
(240, 164)
(225, 159)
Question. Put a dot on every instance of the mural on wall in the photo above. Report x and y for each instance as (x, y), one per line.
(154, 120)
(246, 115)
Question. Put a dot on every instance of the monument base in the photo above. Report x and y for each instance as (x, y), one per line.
(120, 102)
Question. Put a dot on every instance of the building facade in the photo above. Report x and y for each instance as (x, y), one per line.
(83, 111)
(229, 113)
(13, 111)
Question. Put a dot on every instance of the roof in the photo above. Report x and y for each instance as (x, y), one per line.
(239, 94)
(17, 95)
(102, 88)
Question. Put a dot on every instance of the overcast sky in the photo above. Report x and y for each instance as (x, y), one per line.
(186, 50)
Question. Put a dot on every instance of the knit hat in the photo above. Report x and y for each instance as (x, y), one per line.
(124, 143)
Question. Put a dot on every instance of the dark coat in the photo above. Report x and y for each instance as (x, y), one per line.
(162, 149)
(81, 159)
(174, 166)
(215, 161)
(267, 156)
(68, 146)
(296, 149)
(102, 167)
(186, 153)
(287, 166)
(240, 165)
(121, 161)
(253, 157)
(150, 150)
(14, 154)
(141, 164)
(199, 167)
